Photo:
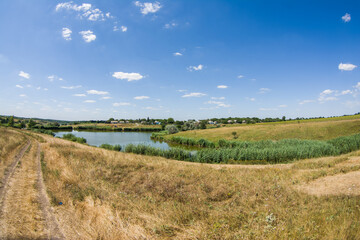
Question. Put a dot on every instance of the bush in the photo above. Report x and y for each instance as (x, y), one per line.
(111, 147)
(73, 138)
(171, 129)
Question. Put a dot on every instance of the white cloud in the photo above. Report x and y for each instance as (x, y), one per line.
(85, 10)
(217, 98)
(22, 95)
(181, 90)
(346, 17)
(54, 77)
(195, 68)
(105, 98)
(122, 28)
(141, 97)
(89, 101)
(222, 86)
(357, 86)
(264, 90)
(240, 76)
(170, 25)
(324, 96)
(24, 75)
(218, 103)
(268, 109)
(19, 86)
(148, 7)
(177, 54)
(346, 66)
(282, 106)
(96, 92)
(38, 88)
(128, 76)
(79, 95)
(306, 101)
(326, 92)
(195, 94)
(121, 104)
(66, 34)
(71, 87)
(250, 99)
(88, 36)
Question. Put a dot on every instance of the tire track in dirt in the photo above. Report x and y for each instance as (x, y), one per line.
(54, 231)
(10, 171)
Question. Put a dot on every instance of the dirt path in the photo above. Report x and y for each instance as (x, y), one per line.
(10, 170)
(51, 222)
(25, 212)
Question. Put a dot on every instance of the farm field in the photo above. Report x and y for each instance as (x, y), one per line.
(311, 130)
(113, 195)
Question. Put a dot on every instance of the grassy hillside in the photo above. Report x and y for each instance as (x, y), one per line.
(315, 130)
(112, 195)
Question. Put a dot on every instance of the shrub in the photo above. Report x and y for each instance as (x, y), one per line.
(111, 147)
(73, 138)
(171, 129)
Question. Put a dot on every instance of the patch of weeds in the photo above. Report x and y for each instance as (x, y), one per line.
(166, 231)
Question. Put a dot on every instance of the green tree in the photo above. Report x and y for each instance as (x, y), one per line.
(11, 121)
(203, 125)
(31, 123)
(171, 129)
(283, 118)
(170, 120)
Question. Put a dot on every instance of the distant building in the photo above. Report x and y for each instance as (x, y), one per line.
(114, 122)
(229, 121)
(211, 122)
(121, 122)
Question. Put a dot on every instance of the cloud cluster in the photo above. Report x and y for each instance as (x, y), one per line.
(346, 17)
(194, 94)
(24, 75)
(218, 104)
(222, 86)
(71, 87)
(264, 90)
(346, 66)
(85, 10)
(96, 92)
(54, 77)
(122, 28)
(118, 104)
(141, 97)
(66, 34)
(148, 7)
(88, 36)
(128, 76)
(195, 68)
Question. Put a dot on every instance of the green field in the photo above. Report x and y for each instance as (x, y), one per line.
(321, 129)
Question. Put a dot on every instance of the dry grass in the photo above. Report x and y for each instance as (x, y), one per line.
(317, 130)
(112, 195)
(21, 214)
(10, 143)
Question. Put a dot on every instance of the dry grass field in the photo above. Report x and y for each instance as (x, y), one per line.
(317, 130)
(113, 195)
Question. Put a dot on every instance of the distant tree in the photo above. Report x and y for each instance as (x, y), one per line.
(31, 123)
(203, 124)
(283, 118)
(22, 124)
(11, 121)
(170, 120)
(234, 135)
(171, 129)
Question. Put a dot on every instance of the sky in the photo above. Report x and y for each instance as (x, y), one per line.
(93, 60)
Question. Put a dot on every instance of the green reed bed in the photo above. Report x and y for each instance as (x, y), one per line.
(265, 151)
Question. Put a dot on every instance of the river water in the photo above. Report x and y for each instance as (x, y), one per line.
(96, 138)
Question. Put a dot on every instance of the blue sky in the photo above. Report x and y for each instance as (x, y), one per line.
(84, 60)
